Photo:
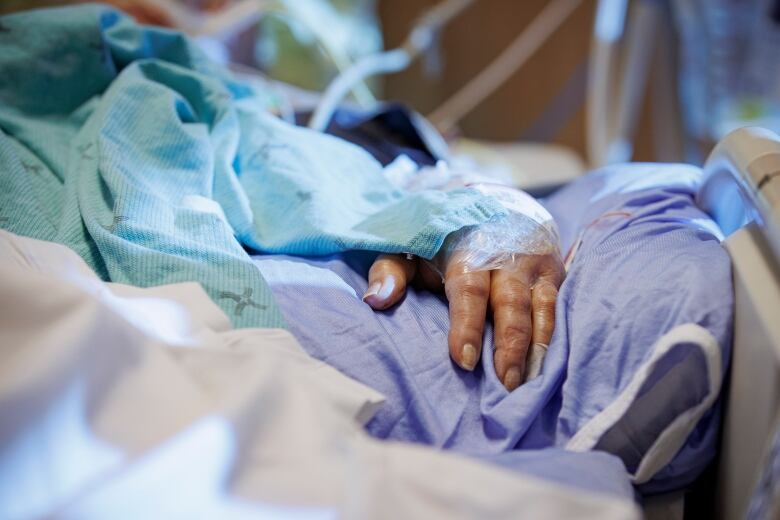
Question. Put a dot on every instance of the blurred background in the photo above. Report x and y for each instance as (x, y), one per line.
(600, 81)
(542, 101)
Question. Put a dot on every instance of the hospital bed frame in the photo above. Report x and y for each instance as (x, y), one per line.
(741, 191)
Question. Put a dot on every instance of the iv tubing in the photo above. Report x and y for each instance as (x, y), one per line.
(382, 63)
(419, 39)
(475, 91)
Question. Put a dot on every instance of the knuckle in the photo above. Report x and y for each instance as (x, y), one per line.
(516, 333)
(512, 301)
(512, 286)
(556, 272)
(513, 350)
(545, 292)
(463, 319)
(544, 308)
(544, 324)
(471, 288)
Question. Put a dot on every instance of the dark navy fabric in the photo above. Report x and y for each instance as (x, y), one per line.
(388, 132)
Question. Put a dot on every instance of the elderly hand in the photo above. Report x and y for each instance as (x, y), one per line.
(521, 296)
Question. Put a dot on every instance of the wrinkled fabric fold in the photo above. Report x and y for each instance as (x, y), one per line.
(126, 144)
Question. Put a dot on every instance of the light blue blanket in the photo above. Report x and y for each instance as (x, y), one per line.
(125, 144)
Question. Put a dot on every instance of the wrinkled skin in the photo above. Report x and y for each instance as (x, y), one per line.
(521, 297)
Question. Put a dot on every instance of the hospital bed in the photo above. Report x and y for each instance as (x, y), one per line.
(741, 193)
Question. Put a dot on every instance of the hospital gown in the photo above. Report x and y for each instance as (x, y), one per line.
(127, 145)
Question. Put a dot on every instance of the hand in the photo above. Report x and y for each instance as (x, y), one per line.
(521, 296)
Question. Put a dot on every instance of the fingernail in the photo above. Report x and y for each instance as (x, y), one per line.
(387, 288)
(512, 378)
(468, 357)
(372, 290)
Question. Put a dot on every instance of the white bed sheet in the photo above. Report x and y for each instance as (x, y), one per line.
(144, 403)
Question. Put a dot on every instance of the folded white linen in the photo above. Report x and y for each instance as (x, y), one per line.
(101, 414)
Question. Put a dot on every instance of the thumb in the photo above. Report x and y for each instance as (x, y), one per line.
(387, 280)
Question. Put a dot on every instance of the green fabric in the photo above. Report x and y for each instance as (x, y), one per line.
(124, 143)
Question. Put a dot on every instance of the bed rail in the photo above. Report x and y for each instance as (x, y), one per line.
(741, 191)
(742, 183)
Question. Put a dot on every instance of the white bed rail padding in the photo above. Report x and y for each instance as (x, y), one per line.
(752, 394)
(742, 183)
(741, 191)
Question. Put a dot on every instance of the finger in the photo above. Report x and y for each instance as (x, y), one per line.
(510, 299)
(387, 280)
(428, 278)
(543, 296)
(551, 269)
(468, 295)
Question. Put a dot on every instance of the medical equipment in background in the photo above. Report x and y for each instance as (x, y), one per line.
(212, 29)
(726, 77)
(422, 37)
(726, 65)
(504, 65)
(287, 49)
(531, 166)
(610, 132)
(729, 74)
(736, 46)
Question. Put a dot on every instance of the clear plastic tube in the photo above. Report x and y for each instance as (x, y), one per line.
(383, 63)
(420, 38)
